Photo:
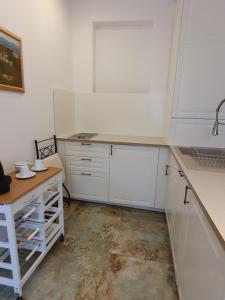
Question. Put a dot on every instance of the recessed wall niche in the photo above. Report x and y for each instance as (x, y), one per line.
(122, 57)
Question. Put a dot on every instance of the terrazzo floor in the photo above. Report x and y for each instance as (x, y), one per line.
(109, 253)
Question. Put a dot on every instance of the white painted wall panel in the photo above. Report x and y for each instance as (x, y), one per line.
(132, 114)
(144, 114)
(124, 57)
(63, 112)
(45, 29)
(86, 13)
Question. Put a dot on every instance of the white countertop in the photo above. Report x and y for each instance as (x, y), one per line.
(209, 188)
(122, 139)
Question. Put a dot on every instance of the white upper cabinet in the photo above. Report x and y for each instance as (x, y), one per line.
(199, 83)
(133, 174)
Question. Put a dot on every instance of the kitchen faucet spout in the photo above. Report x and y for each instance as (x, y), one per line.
(215, 130)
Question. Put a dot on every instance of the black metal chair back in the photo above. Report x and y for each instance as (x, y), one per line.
(45, 148)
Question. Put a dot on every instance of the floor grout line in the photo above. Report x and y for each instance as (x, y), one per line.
(108, 253)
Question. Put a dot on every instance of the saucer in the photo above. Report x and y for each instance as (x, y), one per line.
(32, 174)
(39, 170)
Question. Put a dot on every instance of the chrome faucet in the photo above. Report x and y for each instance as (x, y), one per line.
(215, 130)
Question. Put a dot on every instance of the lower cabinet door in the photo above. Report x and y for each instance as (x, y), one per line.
(162, 177)
(133, 173)
(177, 216)
(171, 196)
(203, 270)
(88, 185)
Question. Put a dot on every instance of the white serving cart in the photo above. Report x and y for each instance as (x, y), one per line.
(31, 221)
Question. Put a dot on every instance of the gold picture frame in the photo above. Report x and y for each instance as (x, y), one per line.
(11, 62)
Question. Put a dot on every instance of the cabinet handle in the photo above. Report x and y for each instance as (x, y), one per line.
(86, 174)
(167, 168)
(86, 159)
(185, 194)
(85, 144)
(111, 150)
(181, 173)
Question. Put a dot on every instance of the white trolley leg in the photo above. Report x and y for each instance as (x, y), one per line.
(13, 250)
(61, 216)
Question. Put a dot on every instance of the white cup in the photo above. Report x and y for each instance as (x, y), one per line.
(20, 164)
(38, 164)
(24, 171)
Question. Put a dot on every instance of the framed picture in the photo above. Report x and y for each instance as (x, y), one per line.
(11, 62)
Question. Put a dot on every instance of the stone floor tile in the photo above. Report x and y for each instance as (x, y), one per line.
(129, 278)
(87, 265)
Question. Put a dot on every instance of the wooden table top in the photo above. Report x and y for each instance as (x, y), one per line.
(20, 187)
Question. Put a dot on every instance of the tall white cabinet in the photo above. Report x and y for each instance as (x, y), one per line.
(198, 71)
(199, 258)
(201, 63)
(133, 174)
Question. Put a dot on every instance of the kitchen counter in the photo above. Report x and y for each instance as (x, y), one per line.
(209, 189)
(122, 139)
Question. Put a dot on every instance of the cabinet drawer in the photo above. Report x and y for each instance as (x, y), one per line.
(88, 185)
(88, 149)
(96, 163)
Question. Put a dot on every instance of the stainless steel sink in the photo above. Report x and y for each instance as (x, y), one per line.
(199, 158)
(82, 136)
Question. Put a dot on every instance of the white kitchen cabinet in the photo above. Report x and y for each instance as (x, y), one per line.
(200, 66)
(133, 174)
(87, 170)
(176, 216)
(203, 271)
(171, 195)
(80, 149)
(199, 258)
(88, 185)
(162, 176)
(180, 226)
(87, 162)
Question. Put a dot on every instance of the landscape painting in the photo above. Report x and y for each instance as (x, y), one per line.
(11, 63)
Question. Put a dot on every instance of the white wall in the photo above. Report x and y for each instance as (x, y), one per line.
(85, 13)
(44, 27)
(132, 114)
(124, 60)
